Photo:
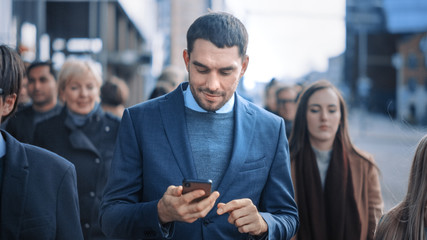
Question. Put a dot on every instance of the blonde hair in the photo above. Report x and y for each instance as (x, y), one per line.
(406, 220)
(73, 68)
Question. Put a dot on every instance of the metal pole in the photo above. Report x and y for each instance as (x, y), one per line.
(41, 25)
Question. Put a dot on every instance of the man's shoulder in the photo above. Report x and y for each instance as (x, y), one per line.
(33, 154)
(174, 98)
(259, 111)
(46, 158)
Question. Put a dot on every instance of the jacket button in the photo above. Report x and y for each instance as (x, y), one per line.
(87, 225)
(206, 222)
(107, 128)
(97, 160)
(92, 194)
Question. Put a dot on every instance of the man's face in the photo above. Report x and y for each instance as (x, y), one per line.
(286, 106)
(7, 105)
(41, 86)
(214, 73)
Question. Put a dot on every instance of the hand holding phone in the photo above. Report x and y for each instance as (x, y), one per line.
(190, 185)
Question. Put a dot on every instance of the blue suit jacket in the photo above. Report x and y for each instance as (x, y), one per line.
(39, 194)
(153, 152)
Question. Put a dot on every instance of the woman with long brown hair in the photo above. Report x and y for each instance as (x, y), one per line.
(408, 219)
(336, 185)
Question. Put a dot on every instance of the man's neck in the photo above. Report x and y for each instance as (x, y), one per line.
(44, 107)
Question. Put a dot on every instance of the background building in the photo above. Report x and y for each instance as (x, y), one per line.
(385, 57)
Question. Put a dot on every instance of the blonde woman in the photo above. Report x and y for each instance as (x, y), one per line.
(408, 219)
(336, 186)
(83, 134)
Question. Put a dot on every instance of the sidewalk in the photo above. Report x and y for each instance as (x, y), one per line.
(392, 143)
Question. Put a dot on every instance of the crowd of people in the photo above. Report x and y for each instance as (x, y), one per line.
(76, 164)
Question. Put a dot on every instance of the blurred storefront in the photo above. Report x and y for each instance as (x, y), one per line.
(386, 52)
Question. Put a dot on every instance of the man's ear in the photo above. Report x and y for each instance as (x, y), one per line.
(186, 57)
(245, 64)
(8, 104)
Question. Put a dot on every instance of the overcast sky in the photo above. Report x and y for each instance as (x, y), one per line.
(288, 39)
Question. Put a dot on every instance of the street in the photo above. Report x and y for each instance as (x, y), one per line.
(393, 144)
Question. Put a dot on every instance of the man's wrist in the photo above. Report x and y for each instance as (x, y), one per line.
(160, 213)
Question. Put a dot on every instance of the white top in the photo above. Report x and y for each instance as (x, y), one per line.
(323, 159)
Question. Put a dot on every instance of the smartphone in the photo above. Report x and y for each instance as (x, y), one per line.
(195, 184)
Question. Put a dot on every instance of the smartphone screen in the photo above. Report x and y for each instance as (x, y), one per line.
(195, 184)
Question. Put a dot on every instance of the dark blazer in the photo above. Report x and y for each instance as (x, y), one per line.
(153, 152)
(90, 149)
(39, 194)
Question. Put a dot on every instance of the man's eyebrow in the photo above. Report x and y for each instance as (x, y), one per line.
(199, 64)
(230, 68)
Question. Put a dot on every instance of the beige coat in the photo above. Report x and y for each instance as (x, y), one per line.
(367, 191)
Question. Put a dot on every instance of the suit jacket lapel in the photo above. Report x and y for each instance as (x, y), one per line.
(245, 119)
(14, 184)
(176, 130)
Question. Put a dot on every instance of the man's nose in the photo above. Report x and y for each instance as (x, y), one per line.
(213, 81)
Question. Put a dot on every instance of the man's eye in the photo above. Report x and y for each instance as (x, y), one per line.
(225, 73)
(202, 70)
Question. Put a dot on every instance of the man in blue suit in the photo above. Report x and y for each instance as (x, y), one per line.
(202, 130)
(38, 189)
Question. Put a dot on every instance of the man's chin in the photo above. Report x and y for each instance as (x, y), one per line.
(210, 108)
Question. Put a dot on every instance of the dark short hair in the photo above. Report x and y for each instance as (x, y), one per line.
(222, 29)
(114, 92)
(11, 73)
(40, 64)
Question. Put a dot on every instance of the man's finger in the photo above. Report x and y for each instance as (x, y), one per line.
(230, 206)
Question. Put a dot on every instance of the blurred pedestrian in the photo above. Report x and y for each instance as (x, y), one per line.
(24, 99)
(114, 95)
(205, 130)
(270, 102)
(337, 186)
(286, 96)
(38, 188)
(42, 89)
(84, 134)
(408, 219)
(168, 80)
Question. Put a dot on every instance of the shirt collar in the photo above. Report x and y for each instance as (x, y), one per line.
(191, 103)
(2, 146)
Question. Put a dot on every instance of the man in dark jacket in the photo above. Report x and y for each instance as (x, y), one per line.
(38, 193)
(42, 88)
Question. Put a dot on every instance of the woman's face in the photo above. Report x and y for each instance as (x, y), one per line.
(323, 118)
(81, 93)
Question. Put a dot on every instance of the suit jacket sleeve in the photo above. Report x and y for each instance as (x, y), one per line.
(123, 214)
(281, 217)
(68, 214)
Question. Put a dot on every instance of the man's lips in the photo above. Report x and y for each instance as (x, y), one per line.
(211, 97)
